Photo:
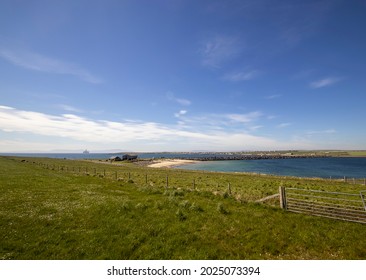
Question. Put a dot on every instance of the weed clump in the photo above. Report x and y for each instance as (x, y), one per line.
(125, 206)
(226, 195)
(159, 205)
(185, 204)
(221, 209)
(141, 206)
(180, 215)
(173, 195)
(195, 208)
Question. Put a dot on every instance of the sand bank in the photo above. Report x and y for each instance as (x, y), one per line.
(170, 162)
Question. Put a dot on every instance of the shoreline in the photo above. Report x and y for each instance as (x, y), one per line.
(169, 163)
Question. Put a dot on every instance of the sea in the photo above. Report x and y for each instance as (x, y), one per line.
(335, 168)
(329, 167)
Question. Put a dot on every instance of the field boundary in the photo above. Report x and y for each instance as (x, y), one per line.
(335, 205)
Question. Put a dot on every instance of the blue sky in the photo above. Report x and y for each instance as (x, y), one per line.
(177, 75)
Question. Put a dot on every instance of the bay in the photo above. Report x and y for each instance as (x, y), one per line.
(299, 167)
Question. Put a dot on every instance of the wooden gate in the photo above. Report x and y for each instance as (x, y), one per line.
(336, 205)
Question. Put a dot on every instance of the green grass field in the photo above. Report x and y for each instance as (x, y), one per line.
(68, 209)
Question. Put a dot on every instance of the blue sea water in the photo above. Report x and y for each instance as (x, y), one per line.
(299, 167)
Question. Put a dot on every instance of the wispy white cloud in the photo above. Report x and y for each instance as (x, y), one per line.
(222, 122)
(271, 117)
(135, 135)
(80, 128)
(326, 131)
(255, 127)
(325, 82)
(38, 62)
(219, 50)
(282, 125)
(69, 108)
(273, 96)
(241, 76)
(181, 101)
(180, 113)
(244, 118)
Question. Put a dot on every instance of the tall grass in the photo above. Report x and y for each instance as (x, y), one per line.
(47, 213)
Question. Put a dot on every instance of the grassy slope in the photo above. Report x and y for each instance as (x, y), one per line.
(51, 214)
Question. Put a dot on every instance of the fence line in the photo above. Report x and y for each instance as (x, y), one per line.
(336, 205)
(313, 202)
(163, 181)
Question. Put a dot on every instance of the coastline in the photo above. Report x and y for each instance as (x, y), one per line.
(169, 163)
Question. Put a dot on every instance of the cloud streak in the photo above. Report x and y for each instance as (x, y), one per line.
(219, 50)
(241, 76)
(221, 122)
(283, 125)
(38, 62)
(180, 113)
(69, 108)
(324, 82)
(137, 134)
(326, 131)
(181, 101)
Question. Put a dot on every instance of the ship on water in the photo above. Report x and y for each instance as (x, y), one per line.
(86, 152)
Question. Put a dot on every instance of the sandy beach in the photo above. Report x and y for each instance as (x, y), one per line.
(170, 162)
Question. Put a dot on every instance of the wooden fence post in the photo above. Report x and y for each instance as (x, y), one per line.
(167, 181)
(229, 188)
(363, 200)
(283, 203)
(116, 175)
(145, 178)
(194, 184)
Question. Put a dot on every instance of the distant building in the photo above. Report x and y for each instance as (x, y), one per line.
(115, 158)
(129, 157)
